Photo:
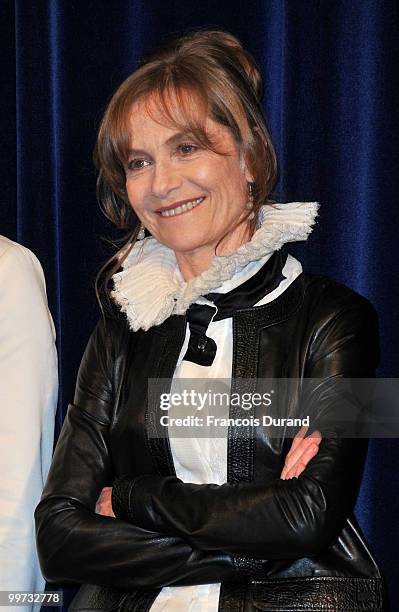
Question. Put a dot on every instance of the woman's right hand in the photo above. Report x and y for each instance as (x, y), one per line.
(301, 452)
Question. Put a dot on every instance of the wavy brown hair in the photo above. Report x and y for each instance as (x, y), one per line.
(208, 74)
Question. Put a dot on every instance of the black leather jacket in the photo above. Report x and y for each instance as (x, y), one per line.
(280, 545)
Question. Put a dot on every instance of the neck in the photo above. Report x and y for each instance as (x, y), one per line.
(193, 263)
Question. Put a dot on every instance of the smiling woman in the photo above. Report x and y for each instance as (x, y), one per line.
(187, 196)
(243, 519)
(187, 123)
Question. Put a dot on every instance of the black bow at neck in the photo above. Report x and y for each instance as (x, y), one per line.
(202, 349)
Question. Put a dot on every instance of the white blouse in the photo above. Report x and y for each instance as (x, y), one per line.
(202, 460)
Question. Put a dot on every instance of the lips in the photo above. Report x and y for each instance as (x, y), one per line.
(180, 207)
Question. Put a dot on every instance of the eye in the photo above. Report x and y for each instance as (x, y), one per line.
(136, 164)
(187, 147)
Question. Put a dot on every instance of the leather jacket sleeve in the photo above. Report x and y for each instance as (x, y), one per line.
(289, 518)
(77, 545)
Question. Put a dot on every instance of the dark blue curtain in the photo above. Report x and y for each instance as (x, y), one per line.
(331, 98)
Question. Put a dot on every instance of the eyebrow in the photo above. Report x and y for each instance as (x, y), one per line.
(171, 140)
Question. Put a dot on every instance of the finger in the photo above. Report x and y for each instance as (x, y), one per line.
(301, 438)
(292, 458)
(303, 462)
(103, 494)
(99, 503)
(315, 436)
(285, 473)
(308, 454)
(289, 474)
(300, 466)
(297, 439)
(104, 509)
(295, 471)
(303, 445)
(286, 470)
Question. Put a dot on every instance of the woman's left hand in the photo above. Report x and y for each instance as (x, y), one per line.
(104, 503)
(301, 452)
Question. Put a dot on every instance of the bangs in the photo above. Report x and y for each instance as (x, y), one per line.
(174, 105)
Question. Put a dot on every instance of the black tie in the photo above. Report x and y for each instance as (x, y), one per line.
(201, 348)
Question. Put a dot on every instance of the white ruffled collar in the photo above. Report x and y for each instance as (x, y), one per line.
(149, 290)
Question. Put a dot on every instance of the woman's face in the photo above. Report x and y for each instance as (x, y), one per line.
(188, 197)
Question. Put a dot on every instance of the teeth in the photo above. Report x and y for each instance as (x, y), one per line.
(181, 208)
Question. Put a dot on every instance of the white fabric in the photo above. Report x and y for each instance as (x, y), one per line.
(148, 289)
(204, 460)
(28, 398)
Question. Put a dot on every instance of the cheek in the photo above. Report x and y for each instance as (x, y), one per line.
(135, 195)
(232, 190)
(203, 173)
(222, 176)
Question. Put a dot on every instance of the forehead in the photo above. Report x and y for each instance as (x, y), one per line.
(162, 118)
(149, 119)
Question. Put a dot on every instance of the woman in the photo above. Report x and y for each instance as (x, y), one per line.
(206, 291)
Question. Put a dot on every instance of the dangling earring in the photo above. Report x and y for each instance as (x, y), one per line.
(250, 203)
(141, 234)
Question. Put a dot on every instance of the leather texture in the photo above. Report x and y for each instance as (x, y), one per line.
(326, 593)
(275, 545)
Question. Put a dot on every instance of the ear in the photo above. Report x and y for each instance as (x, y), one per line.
(245, 169)
(248, 176)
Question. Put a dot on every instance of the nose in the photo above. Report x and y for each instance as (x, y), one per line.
(165, 179)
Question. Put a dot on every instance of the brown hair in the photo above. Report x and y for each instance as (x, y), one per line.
(211, 67)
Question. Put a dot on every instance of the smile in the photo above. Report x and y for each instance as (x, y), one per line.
(181, 208)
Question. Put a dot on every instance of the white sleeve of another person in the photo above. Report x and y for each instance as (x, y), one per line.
(28, 399)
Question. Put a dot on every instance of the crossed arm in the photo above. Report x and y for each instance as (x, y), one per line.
(287, 519)
(303, 449)
(160, 538)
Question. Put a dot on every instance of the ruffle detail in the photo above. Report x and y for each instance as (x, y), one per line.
(149, 291)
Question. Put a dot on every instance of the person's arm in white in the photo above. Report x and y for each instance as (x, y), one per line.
(28, 399)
